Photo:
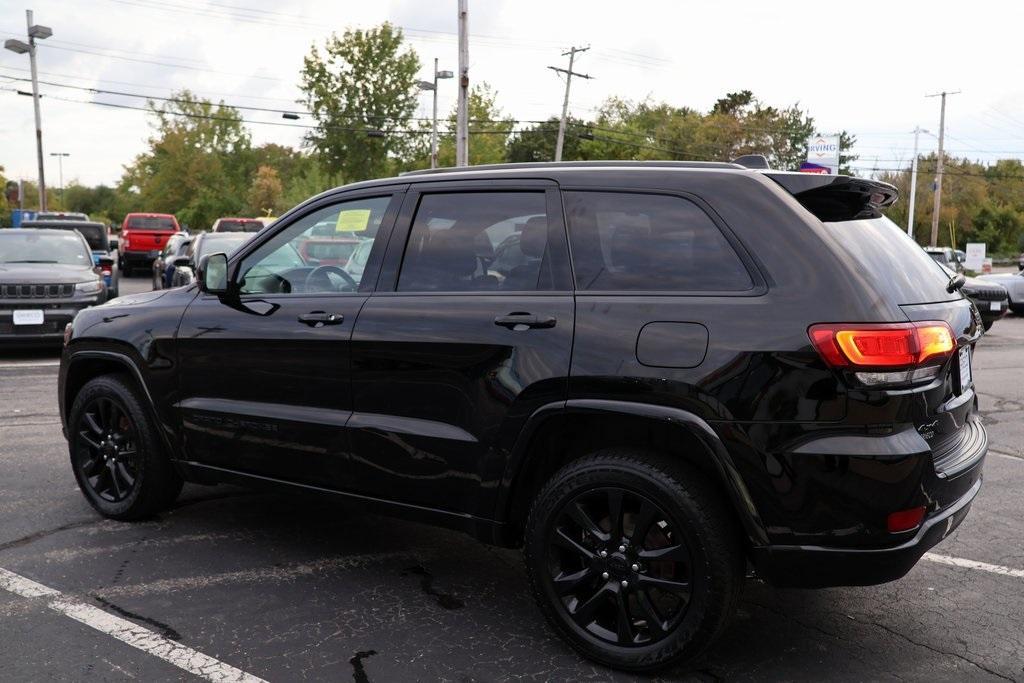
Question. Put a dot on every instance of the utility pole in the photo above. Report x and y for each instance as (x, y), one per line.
(60, 165)
(14, 45)
(462, 112)
(913, 182)
(938, 167)
(569, 73)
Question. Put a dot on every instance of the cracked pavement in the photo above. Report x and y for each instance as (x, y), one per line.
(290, 589)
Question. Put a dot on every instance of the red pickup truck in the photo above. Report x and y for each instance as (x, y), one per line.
(143, 236)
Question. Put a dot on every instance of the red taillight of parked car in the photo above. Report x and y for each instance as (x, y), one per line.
(891, 345)
(885, 353)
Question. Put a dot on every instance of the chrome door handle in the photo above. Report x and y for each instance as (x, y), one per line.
(319, 319)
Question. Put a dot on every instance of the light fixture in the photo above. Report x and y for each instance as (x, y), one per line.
(15, 45)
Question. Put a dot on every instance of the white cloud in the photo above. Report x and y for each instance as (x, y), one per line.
(865, 69)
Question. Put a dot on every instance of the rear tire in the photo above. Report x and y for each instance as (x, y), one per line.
(987, 324)
(671, 592)
(116, 454)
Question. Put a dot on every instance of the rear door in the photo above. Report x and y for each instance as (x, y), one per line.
(264, 373)
(455, 351)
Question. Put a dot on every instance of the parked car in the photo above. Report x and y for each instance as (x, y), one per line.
(700, 368)
(61, 216)
(202, 244)
(163, 266)
(945, 256)
(237, 225)
(46, 277)
(990, 298)
(103, 256)
(143, 236)
(335, 251)
(1013, 283)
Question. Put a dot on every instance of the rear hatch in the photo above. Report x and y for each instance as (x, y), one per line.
(900, 270)
(147, 234)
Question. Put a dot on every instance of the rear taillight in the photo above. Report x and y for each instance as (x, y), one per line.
(885, 353)
(125, 241)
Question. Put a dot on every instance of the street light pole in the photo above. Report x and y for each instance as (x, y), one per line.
(14, 45)
(913, 182)
(462, 109)
(35, 101)
(60, 166)
(432, 85)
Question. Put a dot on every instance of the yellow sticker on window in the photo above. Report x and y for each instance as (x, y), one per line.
(353, 220)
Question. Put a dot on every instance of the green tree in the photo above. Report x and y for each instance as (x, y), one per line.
(196, 164)
(363, 81)
(266, 193)
(537, 142)
(489, 130)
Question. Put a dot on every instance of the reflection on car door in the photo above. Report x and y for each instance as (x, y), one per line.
(449, 364)
(264, 374)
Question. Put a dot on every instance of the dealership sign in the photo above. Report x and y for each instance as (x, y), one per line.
(822, 155)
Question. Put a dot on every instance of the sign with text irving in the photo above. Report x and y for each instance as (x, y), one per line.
(822, 155)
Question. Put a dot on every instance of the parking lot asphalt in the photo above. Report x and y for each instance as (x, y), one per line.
(231, 583)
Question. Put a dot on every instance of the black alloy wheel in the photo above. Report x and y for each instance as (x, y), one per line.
(620, 568)
(105, 449)
(635, 558)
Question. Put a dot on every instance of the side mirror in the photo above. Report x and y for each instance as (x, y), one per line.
(112, 243)
(212, 273)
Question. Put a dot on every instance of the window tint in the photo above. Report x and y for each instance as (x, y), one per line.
(151, 223)
(478, 241)
(647, 242)
(312, 255)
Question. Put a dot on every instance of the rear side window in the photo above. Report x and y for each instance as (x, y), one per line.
(239, 226)
(478, 242)
(885, 254)
(646, 242)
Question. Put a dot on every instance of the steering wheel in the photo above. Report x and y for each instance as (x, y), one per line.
(319, 280)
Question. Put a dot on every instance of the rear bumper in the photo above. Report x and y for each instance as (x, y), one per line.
(136, 258)
(852, 550)
(819, 567)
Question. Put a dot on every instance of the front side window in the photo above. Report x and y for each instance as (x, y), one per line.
(478, 242)
(314, 254)
(647, 242)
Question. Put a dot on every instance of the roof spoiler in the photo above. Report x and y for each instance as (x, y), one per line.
(835, 198)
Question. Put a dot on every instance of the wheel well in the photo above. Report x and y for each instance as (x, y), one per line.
(83, 370)
(564, 438)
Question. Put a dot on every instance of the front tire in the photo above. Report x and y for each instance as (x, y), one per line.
(634, 559)
(117, 458)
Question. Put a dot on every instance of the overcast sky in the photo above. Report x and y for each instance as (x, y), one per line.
(863, 68)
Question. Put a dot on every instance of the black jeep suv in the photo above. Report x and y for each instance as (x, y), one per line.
(653, 376)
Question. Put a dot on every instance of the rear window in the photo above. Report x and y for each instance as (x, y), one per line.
(885, 253)
(95, 235)
(239, 226)
(151, 223)
(648, 242)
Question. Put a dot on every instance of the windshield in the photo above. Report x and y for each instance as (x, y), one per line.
(226, 244)
(29, 246)
(151, 223)
(884, 252)
(239, 225)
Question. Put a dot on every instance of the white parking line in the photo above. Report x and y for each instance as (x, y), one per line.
(128, 632)
(39, 364)
(972, 564)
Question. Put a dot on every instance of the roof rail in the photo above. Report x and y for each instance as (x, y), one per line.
(574, 164)
(758, 161)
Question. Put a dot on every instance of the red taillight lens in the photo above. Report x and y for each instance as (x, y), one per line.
(893, 345)
(905, 520)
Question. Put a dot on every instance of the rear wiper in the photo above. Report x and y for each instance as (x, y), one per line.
(955, 282)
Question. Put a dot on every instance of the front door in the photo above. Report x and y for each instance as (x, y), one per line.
(264, 371)
(474, 336)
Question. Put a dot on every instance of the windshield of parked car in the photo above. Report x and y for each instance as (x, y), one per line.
(30, 246)
(151, 223)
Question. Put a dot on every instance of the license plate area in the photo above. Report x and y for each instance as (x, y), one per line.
(29, 316)
(994, 306)
(964, 371)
